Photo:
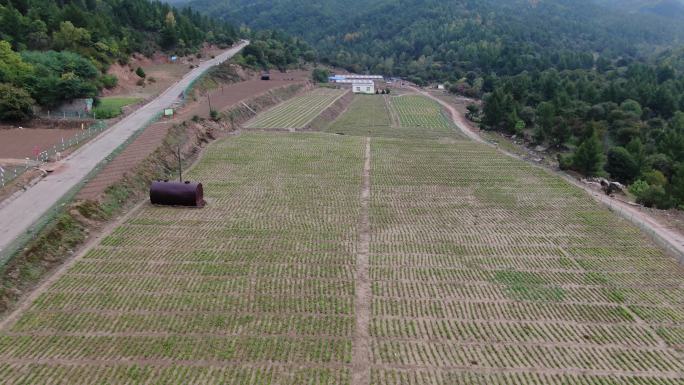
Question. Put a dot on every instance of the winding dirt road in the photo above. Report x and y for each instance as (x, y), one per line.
(19, 215)
(671, 240)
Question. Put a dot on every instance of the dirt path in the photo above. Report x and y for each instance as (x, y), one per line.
(394, 119)
(671, 240)
(362, 300)
(455, 116)
(17, 218)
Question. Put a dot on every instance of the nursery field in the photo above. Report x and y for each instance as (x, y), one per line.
(419, 112)
(373, 115)
(366, 115)
(485, 270)
(366, 258)
(255, 288)
(297, 112)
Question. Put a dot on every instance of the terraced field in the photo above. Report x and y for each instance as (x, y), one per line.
(366, 115)
(297, 112)
(372, 115)
(357, 259)
(417, 111)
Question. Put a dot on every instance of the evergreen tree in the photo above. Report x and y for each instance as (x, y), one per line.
(589, 158)
(621, 165)
(546, 113)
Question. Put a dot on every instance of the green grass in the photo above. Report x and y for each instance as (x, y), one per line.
(111, 107)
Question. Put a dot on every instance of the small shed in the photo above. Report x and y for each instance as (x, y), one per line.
(363, 87)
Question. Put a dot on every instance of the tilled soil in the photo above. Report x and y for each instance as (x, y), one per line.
(226, 96)
(21, 143)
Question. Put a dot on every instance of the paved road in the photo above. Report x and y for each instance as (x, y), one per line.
(17, 216)
(667, 238)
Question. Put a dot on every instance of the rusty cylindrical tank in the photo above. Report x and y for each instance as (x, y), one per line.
(189, 194)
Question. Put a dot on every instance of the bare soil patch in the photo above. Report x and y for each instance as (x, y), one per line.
(228, 95)
(42, 134)
(160, 70)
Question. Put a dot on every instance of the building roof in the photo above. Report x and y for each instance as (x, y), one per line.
(362, 76)
(355, 77)
(363, 82)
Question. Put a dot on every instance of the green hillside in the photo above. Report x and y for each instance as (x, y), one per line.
(54, 50)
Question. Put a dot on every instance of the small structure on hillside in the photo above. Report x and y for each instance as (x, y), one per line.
(363, 87)
(265, 75)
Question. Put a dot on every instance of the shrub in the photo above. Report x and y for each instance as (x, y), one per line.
(214, 115)
(140, 72)
(140, 82)
(15, 103)
(654, 196)
(565, 161)
(320, 75)
(655, 178)
(109, 81)
(638, 188)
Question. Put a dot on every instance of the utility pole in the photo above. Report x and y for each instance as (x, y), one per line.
(180, 166)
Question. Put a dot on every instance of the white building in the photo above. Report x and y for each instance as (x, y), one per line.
(363, 87)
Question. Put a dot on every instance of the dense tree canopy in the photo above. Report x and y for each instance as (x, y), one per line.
(271, 49)
(57, 50)
(105, 30)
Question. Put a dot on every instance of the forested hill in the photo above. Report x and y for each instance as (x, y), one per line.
(673, 9)
(434, 39)
(106, 30)
(53, 51)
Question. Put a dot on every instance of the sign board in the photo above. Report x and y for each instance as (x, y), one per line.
(168, 112)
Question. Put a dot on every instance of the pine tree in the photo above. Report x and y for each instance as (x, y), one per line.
(589, 158)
